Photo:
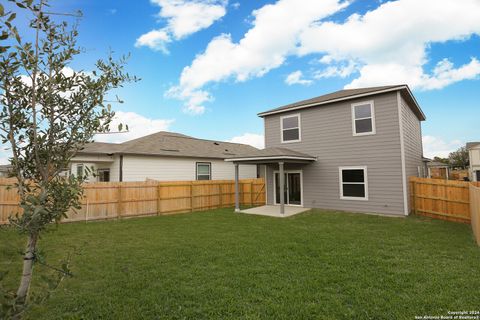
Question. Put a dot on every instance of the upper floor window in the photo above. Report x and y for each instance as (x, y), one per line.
(204, 171)
(290, 128)
(363, 118)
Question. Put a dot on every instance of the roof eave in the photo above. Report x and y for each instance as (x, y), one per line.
(260, 158)
(422, 115)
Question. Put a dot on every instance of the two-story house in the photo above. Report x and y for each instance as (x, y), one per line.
(474, 159)
(349, 150)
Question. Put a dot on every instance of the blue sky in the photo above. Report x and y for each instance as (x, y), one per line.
(209, 66)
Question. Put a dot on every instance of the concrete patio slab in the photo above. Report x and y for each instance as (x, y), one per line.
(274, 211)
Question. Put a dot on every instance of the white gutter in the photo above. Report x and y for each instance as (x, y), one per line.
(271, 158)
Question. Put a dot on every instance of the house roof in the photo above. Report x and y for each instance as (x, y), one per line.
(350, 94)
(170, 144)
(272, 154)
(5, 167)
(472, 144)
(437, 164)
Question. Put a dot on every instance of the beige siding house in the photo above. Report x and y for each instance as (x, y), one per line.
(474, 157)
(349, 150)
(164, 156)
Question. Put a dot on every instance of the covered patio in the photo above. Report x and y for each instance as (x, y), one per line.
(276, 157)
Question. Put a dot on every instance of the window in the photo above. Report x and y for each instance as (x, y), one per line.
(290, 127)
(79, 170)
(204, 171)
(363, 118)
(103, 175)
(353, 183)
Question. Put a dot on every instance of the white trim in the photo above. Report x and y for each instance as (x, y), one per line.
(402, 156)
(266, 184)
(299, 128)
(209, 164)
(286, 200)
(266, 113)
(272, 158)
(372, 117)
(365, 182)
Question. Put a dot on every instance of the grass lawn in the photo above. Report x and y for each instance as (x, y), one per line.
(221, 265)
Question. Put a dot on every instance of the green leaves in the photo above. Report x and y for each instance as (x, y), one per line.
(48, 115)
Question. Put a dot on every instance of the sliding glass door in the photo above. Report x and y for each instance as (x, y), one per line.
(293, 188)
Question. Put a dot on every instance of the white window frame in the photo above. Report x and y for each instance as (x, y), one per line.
(299, 128)
(365, 182)
(77, 168)
(209, 170)
(372, 112)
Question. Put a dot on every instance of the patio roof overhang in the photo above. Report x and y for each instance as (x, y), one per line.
(279, 156)
(273, 155)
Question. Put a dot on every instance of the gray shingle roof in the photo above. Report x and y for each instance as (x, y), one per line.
(5, 167)
(472, 144)
(345, 94)
(171, 144)
(272, 153)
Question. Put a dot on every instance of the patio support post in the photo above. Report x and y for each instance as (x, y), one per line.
(281, 174)
(237, 197)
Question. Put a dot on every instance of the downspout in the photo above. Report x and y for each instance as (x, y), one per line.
(120, 173)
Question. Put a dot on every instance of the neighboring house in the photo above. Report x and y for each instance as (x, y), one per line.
(349, 150)
(474, 157)
(162, 156)
(5, 170)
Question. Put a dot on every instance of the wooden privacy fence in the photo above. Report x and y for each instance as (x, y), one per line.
(111, 200)
(441, 199)
(475, 210)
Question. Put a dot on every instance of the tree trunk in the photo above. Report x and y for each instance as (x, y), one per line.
(28, 261)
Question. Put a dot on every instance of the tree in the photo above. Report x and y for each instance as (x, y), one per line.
(48, 113)
(442, 160)
(459, 158)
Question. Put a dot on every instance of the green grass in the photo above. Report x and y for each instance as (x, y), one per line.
(221, 265)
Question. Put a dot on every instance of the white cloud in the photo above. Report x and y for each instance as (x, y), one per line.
(183, 17)
(386, 45)
(138, 126)
(389, 44)
(5, 153)
(296, 78)
(236, 5)
(273, 36)
(255, 140)
(341, 71)
(437, 147)
(155, 39)
(193, 100)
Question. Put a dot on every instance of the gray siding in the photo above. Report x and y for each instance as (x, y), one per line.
(327, 134)
(412, 140)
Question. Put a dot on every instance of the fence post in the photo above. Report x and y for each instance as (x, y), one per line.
(120, 200)
(191, 196)
(220, 195)
(251, 193)
(414, 195)
(159, 199)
